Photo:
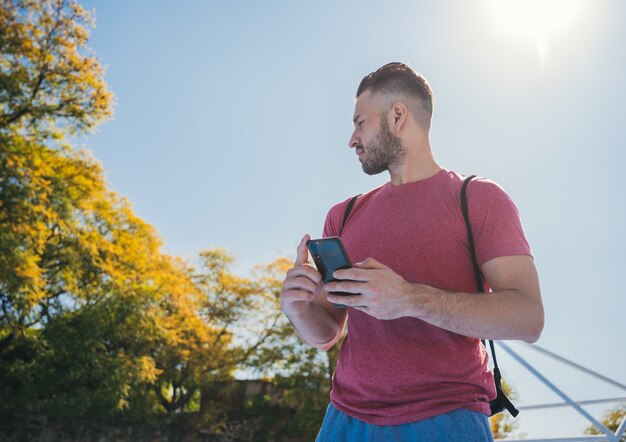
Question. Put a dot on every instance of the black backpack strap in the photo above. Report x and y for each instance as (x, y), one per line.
(501, 401)
(346, 214)
(470, 236)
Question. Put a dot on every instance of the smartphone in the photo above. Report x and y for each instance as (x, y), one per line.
(329, 255)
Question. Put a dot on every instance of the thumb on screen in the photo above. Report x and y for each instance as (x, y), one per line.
(302, 255)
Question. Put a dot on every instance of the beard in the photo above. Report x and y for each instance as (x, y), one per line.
(384, 152)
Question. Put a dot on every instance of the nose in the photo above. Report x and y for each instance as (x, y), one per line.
(354, 140)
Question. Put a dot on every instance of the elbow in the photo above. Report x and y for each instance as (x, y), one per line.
(534, 331)
(535, 320)
(531, 339)
(329, 344)
(326, 346)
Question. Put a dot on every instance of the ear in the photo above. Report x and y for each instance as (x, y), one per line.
(399, 116)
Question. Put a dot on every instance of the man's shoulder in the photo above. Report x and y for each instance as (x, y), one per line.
(486, 190)
(478, 186)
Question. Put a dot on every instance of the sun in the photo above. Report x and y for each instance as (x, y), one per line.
(536, 20)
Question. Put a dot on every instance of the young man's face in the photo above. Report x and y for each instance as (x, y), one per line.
(377, 148)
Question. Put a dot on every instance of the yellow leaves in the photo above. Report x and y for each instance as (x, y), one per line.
(122, 404)
(27, 269)
(148, 371)
(612, 419)
(235, 284)
(27, 46)
(56, 77)
(77, 250)
(216, 260)
(67, 234)
(150, 314)
(48, 58)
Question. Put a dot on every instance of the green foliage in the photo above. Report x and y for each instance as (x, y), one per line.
(93, 366)
(97, 324)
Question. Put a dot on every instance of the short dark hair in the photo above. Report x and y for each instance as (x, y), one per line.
(399, 79)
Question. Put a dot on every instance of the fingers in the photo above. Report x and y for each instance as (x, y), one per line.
(297, 290)
(344, 286)
(302, 253)
(300, 283)
(297, 295)
(306, 270)
(360, 271)
(362, 275)
(349, 301)
(370, 263)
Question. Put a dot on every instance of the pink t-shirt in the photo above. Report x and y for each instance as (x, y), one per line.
(405, 370)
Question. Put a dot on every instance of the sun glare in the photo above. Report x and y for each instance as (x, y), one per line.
(536, 20)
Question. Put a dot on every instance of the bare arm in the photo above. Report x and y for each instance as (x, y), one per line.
(303, 300)
(513, 310)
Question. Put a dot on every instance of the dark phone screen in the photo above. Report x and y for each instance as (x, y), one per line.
(329, 255)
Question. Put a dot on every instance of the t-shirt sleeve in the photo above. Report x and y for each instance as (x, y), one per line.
(495, 222)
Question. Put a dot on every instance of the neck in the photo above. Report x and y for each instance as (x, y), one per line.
(418, 164)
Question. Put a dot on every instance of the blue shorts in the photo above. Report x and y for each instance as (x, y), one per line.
(456, 426)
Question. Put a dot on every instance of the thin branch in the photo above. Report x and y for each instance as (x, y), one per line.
(269, 332)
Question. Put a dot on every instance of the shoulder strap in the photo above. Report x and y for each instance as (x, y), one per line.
(503, 401)
(470, 236)
(346, 214)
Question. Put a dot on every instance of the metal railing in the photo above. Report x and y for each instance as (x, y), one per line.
(608, 435)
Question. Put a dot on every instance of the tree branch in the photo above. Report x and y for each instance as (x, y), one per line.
(269, 332)
(162, 399)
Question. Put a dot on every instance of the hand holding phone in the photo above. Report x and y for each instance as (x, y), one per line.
(329, 255)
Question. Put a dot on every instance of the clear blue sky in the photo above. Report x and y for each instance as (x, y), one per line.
(233, 119)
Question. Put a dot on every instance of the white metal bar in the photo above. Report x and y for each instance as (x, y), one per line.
(564, 404)
(577, 366)
(566, 398)
(621, 429)
(565, 439)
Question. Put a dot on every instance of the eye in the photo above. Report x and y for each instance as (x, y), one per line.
(360, 123)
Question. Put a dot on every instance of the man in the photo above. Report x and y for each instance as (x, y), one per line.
(412, 366)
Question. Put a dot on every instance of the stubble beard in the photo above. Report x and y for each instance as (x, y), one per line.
(384, 152)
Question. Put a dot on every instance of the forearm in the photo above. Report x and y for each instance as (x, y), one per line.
(315, 326)
(502, 314)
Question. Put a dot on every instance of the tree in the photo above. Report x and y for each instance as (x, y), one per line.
(84, 289)
(50, 83)
(301, 373)
(96, 322)
(254, 337)
(83, 284)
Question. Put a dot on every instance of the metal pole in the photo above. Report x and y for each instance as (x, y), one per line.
(618, 434)
(577, 366)
(563, 404)
(563, 396)
(566, 439)
(621, 429)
